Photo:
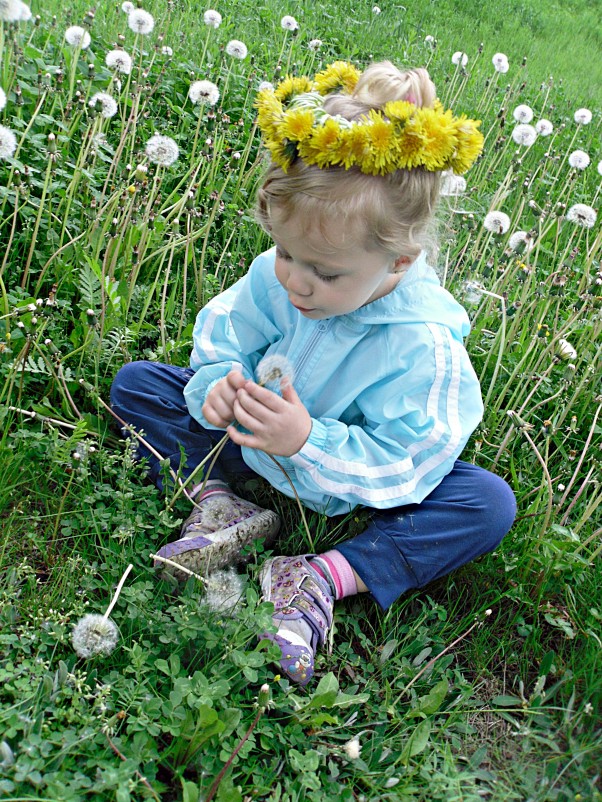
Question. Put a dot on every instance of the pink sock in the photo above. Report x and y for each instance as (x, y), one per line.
(210, 487)
(335, 569)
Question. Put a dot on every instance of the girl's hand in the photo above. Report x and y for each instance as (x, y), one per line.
(278, 425)
(218, 408)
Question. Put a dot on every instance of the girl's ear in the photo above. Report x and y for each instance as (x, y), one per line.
(401, 264)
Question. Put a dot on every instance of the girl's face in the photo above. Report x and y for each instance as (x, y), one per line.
(324, 279)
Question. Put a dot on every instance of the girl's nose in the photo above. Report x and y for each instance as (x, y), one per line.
(298, 284)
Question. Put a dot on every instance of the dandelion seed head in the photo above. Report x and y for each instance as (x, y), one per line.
(523, 113)
(119, 60)
(500, 62)
(566, 351)
(544, 127)
(223, 591)
(212, 18)
(497, 222)
(162, 150)
(582, 215)
(94, 634)
(524, 134)
(10, 10)
(289, 23)
(376, 10)
(452, 184)
(141, 21)
(520, 241)
(203, 92)
(104, 104)
(166, 50)
(2, 99)
(459, 58)
(237, 49)
(76, 36)
(314, 44)
(472, 293)
(273, 370)
(8, 142)
(127, 7)
(600, 168)
(352, 748)
(24, 12)
(583, 116)
(579, 159)
(265, 85)
(429, 40)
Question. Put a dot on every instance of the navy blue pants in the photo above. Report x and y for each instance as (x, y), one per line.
(402, 548)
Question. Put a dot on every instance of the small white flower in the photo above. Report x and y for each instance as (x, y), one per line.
(76, 36)
(566, 351)
(579, 159)
(2, 99)
(141, 21)
(452, 184)
(237, 49)
(521, 240)
(582, 215)
(583, 116)
(273, 370)
(166, 50)
(523, 113)
(212, 18)
(524, 134)
(314, 44)
(289, 23)
(104, 104)
(352, 748)
(119, 60)
(24, 13)
(127, 7)
(497, 222)
(375, 10)
(500, 62)
(10, 10)
(223, 591)
(459, 58)
(8, 142)
(265, 85)
(544, 127)
(162, 150)
(94, 634)
(203, 92)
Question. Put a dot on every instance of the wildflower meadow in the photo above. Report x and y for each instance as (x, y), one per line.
(129, 159)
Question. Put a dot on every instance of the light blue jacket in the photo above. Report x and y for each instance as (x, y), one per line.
(390, 388)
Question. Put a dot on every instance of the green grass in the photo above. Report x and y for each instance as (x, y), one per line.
(511, 710)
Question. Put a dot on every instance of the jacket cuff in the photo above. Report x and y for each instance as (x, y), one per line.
(318, 437)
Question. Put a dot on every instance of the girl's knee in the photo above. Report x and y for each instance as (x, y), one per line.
(130, 377)
(498, 506)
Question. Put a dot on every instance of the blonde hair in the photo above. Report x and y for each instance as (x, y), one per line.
(395, 210)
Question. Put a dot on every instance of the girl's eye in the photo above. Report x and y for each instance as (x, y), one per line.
(323, 277)
(283, 255)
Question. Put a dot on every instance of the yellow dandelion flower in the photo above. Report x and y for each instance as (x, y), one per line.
(297, 124)
(340, 75)
(381, 145)
(399, 110)
(411, 144)
(354, 147)
(320, 147)
(291, 86)
(469, 146)
(282, 154)
(269, 110)
(441, 137)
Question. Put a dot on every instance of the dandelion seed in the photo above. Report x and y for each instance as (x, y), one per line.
(524, 134)
(77, 36)
(10, 10)
(500, 62)
(166, 50)
(8, 142)
(497, 222)
(566, 351)
(141, 21)
(273, 370)
(94, 634)
(119, 60)
(212, 18)
(2, 99)
(203, 92)
(162, 150)
(127, 7)
(375, 10)
(104, 104)
(352, 748)
(544, 127)
(459, 58)
(289, 23)
(523, 113)
(237, 49)
(223, 591)
(314, 44)
(452, 184)
(521, 241)
(265, 85)
(25, 13)
(582, 215)
(579, 159)
(583, 116)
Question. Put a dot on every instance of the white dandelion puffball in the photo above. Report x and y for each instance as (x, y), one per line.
(375, 10)
(352, 748)
(524, 134)
(127, 7)
(223, 591)
(500, 62)
(544, 127)
(76, 36)
(429, 39)
(212, 18)
(265, 85)
(582, 215)
(2, 99)
(314, 44)
(583, 116)
(273, 370)
(162, 150)
(452, 184)
(166, 50)
(24, 12)
(579, 159)
(289, 23)
(600, 167)
(520, 240)
(104, 104)
(523, 113)
(497, 222)
(566, 351)
(119, 60)
(141, 21)
(237, 49)
(459, 58)
(94, 634)
(8, 142)
(203, 92)
(10, 10)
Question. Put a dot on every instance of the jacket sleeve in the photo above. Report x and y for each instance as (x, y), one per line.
(416, 421)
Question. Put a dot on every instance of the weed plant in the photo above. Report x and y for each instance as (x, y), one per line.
(106, 257)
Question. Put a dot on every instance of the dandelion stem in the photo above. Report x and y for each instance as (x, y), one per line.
(113, 601)
(178, 566)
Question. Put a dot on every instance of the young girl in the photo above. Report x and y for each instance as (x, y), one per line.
(382, 396)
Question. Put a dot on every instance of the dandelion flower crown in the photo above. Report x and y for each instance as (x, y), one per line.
(294, 123)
